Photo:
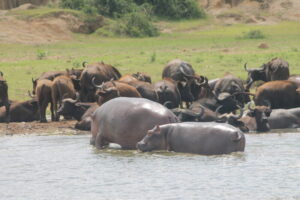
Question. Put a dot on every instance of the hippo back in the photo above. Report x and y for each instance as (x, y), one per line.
(125, 121)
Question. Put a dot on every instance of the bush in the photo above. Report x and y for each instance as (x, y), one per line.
(138, 25)
(254, 34)
(72, 4)
(175, 9)
(115, 8)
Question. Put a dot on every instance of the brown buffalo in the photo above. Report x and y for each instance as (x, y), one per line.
(168, 93)
(276, 69)
(295, 79)
(51, 75)
(44, 97)
(145, 89)
(62, 88)
(139, 76)
(280, 94)
(100, 72)
(26, 111)
(113, 89)
(4, 97)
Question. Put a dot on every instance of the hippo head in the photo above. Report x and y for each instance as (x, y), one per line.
(153, 140)
(261, 114)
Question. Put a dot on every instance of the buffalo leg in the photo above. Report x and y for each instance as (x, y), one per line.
(43, 106)
(52, 112)
(7, 114)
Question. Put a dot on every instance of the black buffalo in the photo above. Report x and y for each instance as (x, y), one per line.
(4, 97)
(99, 72)
(276, 69)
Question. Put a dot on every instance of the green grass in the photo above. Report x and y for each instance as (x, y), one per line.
(212, 50)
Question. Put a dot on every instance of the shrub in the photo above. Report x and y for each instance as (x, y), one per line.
(115, 8)
(254, 34)
(41, 54)
(72, 4)
(138, 25)
(175, 9)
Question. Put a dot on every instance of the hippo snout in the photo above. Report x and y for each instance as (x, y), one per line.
(141, 146)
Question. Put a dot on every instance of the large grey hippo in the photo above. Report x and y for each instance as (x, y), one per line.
(125, 121)
(207, 138)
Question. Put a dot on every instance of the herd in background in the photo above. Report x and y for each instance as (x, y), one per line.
(77, 93)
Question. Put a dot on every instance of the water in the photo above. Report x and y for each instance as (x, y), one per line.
(67, 167)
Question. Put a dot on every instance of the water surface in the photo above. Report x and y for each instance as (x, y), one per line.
(67, 167)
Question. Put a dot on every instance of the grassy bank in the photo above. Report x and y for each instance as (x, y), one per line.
(211, 49)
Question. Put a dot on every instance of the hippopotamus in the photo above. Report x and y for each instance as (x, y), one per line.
(207, 138)
(125, 121)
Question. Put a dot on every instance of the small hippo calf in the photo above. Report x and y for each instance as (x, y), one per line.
(207, 138)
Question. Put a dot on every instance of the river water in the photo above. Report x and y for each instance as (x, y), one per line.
(67, 167)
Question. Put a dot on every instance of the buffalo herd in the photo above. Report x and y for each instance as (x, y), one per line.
(183, 112)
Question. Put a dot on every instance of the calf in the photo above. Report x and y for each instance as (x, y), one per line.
(207, 138)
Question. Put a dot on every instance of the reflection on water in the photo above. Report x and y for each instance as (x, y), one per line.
(67, 167)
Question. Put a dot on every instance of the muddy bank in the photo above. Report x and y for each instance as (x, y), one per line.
(51, 128)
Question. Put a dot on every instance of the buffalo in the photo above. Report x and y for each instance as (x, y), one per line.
(280, 94)
(207, 138)
(25, 111)
(99, 72)
(62, 88)
(139, 76)
(255, 119)
(145, 89)
(4, 97)
(125, 121)
(295, 79)
(276, 69)
(188, 83)
(231, 85)
(113, 89)
(44, 97)
(51, 75)
(168, 92)
(82, 112)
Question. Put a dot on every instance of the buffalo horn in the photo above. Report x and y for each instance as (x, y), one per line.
(84, 64)
(241, 113)
(29, 94)
(95, 85)
(249, 106)
(245, 66)
(184, 73)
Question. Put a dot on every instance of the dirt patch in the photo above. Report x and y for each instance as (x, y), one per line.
(55, 26)
(253, 11)
(51, 128)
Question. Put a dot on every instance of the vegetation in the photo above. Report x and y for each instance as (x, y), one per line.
(253, 34)
(134, 16)
(212, 50)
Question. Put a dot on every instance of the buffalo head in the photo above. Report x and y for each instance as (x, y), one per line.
(261, 114)
(255, 74)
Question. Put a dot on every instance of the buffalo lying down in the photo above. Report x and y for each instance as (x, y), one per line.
(125, 121)
(206, 138)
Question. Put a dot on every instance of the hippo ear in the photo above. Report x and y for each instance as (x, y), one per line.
(157, 129)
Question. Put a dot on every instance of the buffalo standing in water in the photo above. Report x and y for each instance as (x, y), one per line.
(207, 138)
(125, 121)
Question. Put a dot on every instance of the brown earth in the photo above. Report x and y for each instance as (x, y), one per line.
(50, 128)
(253, 11)
(59, 26)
